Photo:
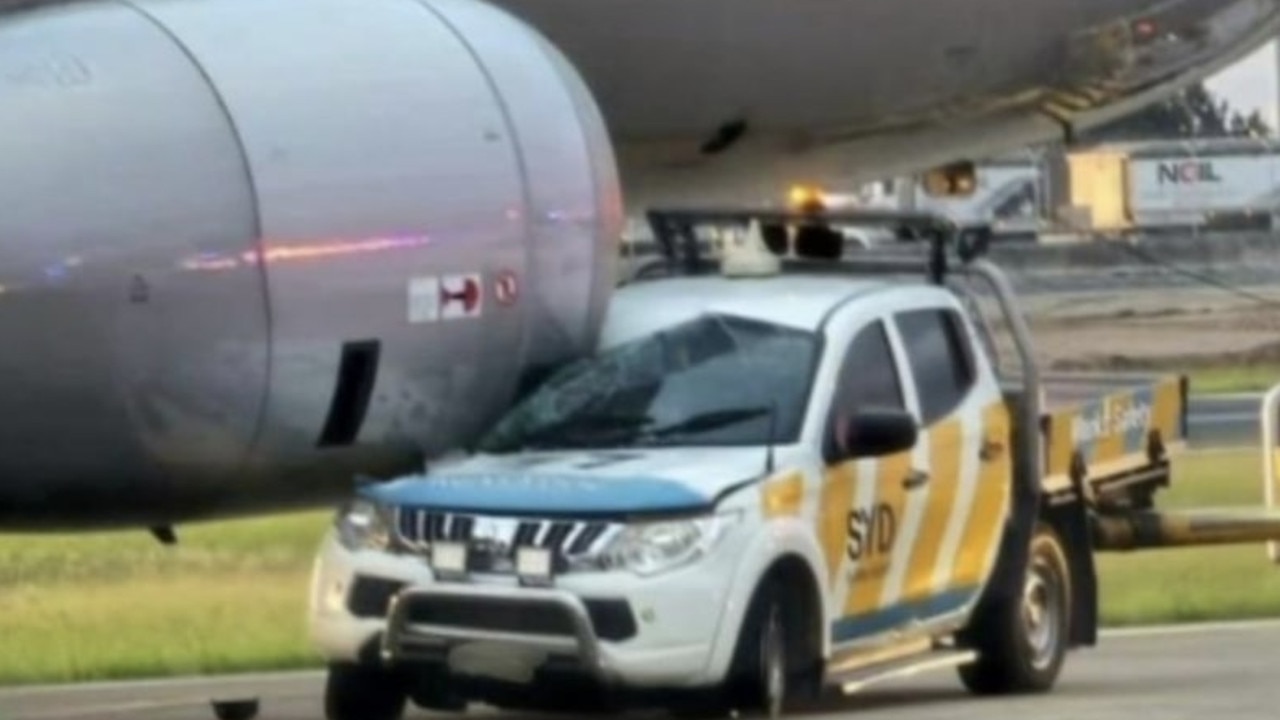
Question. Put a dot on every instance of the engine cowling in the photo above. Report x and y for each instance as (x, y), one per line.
(222, 225)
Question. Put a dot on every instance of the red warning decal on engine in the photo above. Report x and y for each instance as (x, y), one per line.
(506, 289)
(460, 296)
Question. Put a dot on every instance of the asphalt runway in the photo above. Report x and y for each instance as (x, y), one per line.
(1195, 672)
(1224, 420)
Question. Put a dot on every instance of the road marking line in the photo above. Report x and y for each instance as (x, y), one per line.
(1221, 418)
(1190, 628)
(163, 682)
(1227, 396)
(140, 706)
(1221, 448)
(98, 710)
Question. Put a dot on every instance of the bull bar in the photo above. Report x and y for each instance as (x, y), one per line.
(406, 639)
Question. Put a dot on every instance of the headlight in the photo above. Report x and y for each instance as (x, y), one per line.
(363, 525)
(652, 548)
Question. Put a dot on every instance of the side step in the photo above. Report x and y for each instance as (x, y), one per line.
(852, 680)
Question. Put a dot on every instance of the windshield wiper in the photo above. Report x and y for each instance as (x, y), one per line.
(711, 420)
(577, 430)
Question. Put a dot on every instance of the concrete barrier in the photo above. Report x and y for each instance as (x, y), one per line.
(1199, 252)
(1209, 252)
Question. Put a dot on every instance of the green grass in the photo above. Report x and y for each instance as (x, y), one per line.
(1231, 379)
(1206, 583)
(232, 596)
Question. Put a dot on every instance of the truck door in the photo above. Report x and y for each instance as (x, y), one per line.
(950, 524)
(862, 500)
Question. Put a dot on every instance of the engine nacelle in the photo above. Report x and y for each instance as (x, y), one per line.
(250, 248)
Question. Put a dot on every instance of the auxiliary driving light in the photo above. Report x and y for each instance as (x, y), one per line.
(533, 565)
(449, 558)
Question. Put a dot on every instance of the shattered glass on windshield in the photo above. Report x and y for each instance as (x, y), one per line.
(713, 380)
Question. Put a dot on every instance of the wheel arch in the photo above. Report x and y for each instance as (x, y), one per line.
(1070, 523)
(1008, 661)
(803, 606)
(777, 555)
(791, 576)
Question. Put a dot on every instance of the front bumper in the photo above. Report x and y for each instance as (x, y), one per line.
(511, 630)
(615, 628)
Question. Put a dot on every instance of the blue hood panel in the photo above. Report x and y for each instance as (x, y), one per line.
(542, 494)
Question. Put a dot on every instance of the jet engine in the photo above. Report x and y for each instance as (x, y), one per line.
(250, 249)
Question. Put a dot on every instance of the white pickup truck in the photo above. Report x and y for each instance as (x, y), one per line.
(765, 483)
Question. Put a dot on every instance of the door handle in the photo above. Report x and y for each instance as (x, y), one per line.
(990, 450)
(915, 479)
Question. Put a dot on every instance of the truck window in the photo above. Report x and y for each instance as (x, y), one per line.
(713, 380)
(941, 360)
(868, 376)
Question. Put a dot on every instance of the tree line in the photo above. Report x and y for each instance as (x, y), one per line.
(1192, 113)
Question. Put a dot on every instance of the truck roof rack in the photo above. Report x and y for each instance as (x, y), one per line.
(681, 252)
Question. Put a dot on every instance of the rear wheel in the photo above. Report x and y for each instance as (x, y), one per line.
(363, 692)
(1022, 642)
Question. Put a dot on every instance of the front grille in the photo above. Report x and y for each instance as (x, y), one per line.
(493, 540)
(533, 617)
(609, 619)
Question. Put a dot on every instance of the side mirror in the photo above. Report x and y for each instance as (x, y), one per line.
(872, 432)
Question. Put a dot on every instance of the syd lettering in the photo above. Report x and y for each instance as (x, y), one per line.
(872, 531)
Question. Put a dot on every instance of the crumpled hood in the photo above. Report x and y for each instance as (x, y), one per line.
(580, 481)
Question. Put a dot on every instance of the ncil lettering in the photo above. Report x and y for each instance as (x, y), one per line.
(1182, 173)
(871, 531)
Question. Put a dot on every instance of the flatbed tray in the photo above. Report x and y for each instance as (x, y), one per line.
(1116, 423)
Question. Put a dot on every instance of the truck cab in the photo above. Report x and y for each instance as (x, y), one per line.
(757, 487)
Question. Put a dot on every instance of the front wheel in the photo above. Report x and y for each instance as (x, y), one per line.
(361, 692)
(1022, 642)
(758, 682)
(771, 687)
(762, 670)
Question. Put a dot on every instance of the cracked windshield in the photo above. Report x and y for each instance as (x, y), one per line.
(714, 380)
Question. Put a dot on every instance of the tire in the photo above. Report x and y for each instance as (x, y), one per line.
(428, 686)
(362, 692)
(760, 674)
(769, 690)
(1022, 643)
(777, 662)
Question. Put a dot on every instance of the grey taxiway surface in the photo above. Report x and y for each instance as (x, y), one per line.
(1193, 672)
(1224, 420)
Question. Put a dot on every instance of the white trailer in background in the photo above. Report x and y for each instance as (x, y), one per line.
(1182, 184)
(1007, 197)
